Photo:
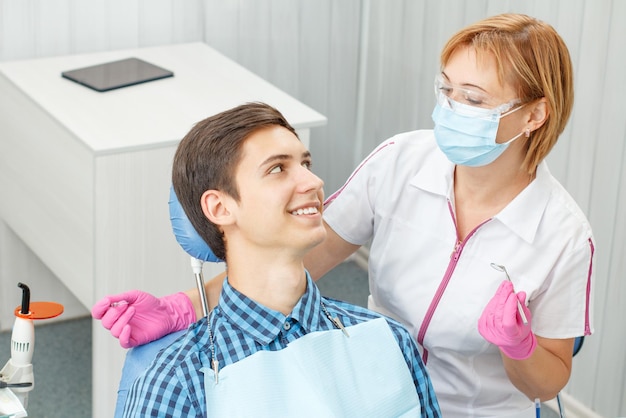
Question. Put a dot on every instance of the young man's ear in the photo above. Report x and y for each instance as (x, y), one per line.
(215, 207)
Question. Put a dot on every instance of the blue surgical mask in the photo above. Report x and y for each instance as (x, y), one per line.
(467, 134)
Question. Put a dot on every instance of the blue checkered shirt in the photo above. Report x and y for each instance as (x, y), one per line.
(174, 386)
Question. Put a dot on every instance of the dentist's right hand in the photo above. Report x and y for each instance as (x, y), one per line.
(137, 317)
(501, 324)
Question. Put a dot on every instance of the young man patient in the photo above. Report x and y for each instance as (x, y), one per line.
(273, 346)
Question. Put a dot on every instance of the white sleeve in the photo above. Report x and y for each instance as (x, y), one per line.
(565, 308)
(350, 210)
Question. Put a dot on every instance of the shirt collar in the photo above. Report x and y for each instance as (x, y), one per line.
(264, 324)
(522, 215)
(436, 175)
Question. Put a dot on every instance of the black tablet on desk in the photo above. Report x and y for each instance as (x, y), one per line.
(117, 74)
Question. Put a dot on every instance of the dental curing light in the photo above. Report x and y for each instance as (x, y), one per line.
(17, 374)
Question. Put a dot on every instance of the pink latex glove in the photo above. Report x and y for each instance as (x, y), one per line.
(500, 323)
(137, 317)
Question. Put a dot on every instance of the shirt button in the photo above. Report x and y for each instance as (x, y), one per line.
(286, 326)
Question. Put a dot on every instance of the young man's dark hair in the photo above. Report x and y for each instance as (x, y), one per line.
(213, 148)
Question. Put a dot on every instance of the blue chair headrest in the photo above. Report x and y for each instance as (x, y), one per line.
(185, 233)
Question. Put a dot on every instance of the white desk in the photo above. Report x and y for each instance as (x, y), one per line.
(85, 175)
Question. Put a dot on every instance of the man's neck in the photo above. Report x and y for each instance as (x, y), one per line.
(276, 283)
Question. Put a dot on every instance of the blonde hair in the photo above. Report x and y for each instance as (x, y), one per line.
(531, 56)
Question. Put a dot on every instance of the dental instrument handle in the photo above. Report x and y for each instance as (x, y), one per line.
(521, 312)
(501, 268)
(196, 266)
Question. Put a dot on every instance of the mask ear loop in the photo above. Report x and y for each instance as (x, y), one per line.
(508, 112)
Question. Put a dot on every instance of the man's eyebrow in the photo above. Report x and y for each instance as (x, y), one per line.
(283, 157)
(274, 158)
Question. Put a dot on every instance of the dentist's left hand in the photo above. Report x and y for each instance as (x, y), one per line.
(137, 317)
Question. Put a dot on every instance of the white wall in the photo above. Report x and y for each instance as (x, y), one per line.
(368, 66)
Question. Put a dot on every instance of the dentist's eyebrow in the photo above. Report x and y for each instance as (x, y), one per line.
(464, 85)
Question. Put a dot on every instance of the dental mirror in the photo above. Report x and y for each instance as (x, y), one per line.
(501, 268)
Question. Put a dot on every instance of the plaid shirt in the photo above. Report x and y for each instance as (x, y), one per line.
(174, 386)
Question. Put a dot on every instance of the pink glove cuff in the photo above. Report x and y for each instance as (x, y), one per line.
(522, 351)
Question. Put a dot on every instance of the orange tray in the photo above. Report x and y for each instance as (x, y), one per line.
(41, 310)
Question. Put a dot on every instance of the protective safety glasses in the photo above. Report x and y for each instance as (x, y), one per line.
(468, 101)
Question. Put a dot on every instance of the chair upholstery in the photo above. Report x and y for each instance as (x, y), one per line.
(137, 361)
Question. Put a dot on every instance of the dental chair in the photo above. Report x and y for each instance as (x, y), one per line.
(137, 361)
(578, 344)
